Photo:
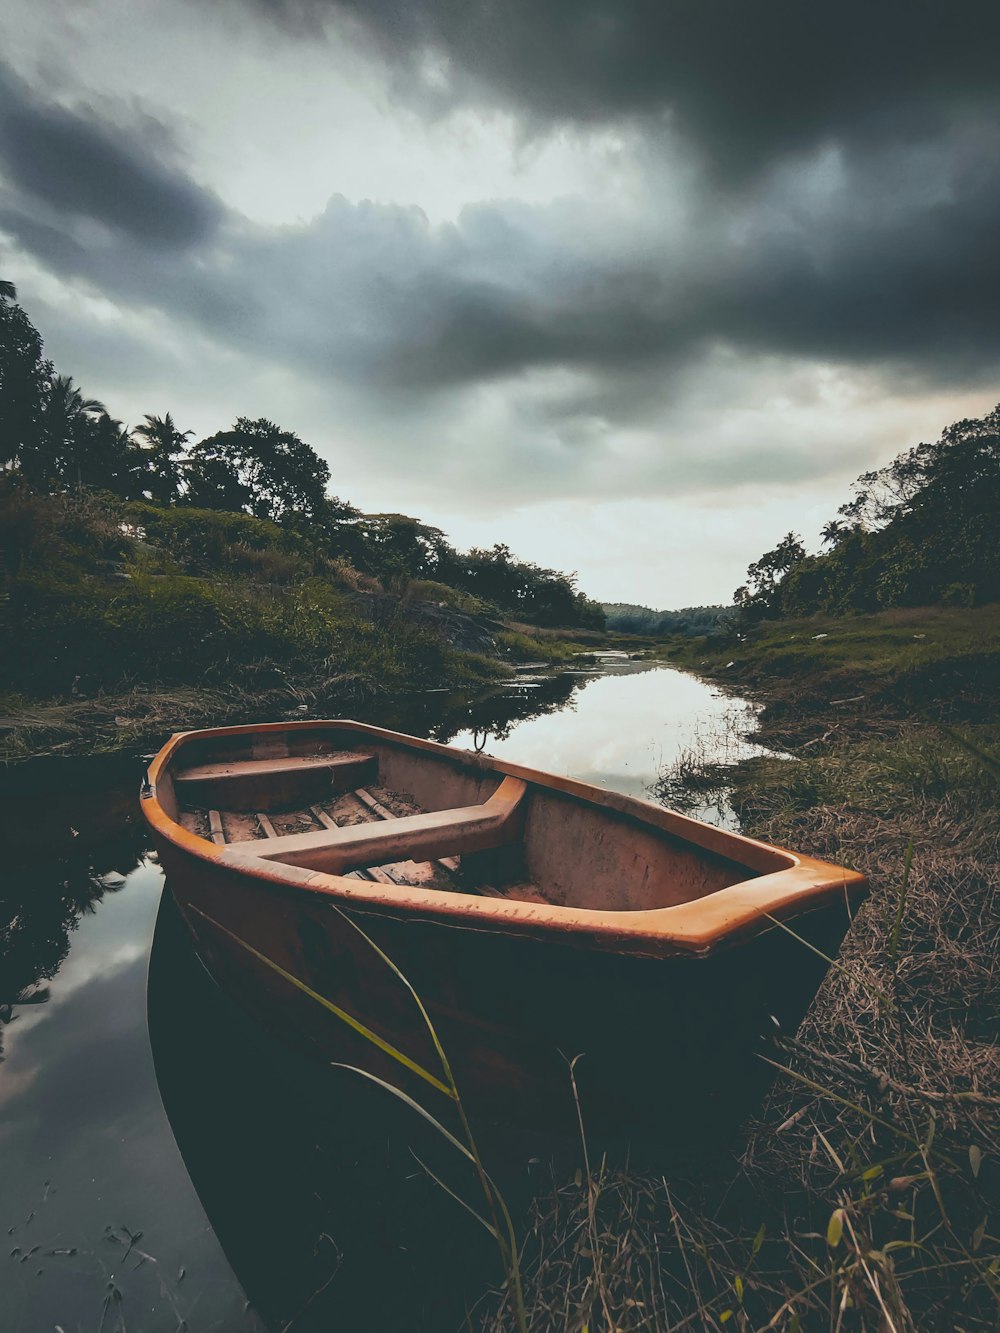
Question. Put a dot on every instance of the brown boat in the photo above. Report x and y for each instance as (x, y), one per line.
(537, 918)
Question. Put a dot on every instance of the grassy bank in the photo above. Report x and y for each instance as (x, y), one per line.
(125, 621)
(356, 666)
(866, 1195)
(896, 661)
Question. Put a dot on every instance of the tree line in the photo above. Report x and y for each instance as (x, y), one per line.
(629, 618)
(922, 530)
(55, 439)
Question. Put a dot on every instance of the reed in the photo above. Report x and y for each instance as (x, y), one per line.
(497, 1221)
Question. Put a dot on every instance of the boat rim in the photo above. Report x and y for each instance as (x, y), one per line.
(703, 925)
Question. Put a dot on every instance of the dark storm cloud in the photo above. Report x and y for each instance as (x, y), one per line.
(877, 257)
(877, 252)
(79, 165)
(745, 82)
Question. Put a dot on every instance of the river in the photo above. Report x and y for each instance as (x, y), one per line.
(317, 1201)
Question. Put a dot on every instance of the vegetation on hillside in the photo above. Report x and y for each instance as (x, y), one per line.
(181, 581)
(921, 530)
(946, 658)
(55, 441)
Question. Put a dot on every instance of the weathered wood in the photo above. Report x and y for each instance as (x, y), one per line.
(451, 863)
(215, 827)
(282, 783)
(326, 820)
(375, 806)
(270, 767)
(379, 874)
(269, 830)
(423, 837)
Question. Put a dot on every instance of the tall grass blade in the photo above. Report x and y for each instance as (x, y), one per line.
(334, 1009)
(833, 962)
(409, 1101)
(458, 1199)
(452, 1091)
(493, 1196)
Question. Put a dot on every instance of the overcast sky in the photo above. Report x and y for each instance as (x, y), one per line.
(633, 286)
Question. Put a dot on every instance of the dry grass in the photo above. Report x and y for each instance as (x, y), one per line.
(867, 1195)
(140, 716)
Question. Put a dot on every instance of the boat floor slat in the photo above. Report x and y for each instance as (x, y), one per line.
(326, 820)
(383, 812)
(362, 806)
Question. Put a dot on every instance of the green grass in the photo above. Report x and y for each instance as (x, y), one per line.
(525, 643)
(883, 648)
(884, 774)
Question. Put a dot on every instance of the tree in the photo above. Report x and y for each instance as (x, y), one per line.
(67, 423)
(164, 443)
(400, 547)
(259, 468)
(920, 530)
(523, 589)
(23, 378)
(109, 459)
(758, 595)
(49, 432)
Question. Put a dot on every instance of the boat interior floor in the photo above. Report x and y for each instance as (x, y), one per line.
(498, 873)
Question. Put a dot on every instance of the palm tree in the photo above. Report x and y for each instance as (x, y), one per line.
(163, 443)
(833, 531)
(8, 292)
(68, 418)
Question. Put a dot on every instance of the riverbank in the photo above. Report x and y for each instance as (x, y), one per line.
(865, 1196)
(382, 678)
(125, 621)
(140, 716)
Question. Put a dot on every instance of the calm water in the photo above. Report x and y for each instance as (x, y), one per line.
(313, 1192)
(624, 726)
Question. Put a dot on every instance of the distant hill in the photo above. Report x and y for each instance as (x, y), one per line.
(628, 618)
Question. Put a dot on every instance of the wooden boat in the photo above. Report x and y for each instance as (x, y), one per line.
(537, 918)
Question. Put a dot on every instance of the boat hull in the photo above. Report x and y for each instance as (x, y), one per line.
(670, 1045)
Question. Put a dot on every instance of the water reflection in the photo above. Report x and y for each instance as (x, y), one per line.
(84, 843)
(495, 713)
(627, 725)
(88, 1161)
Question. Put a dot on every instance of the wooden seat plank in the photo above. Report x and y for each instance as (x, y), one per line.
(277, 783)
(326, 820)
(424, 837)
(263, 767)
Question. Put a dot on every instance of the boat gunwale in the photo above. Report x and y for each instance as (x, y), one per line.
(703, 925)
